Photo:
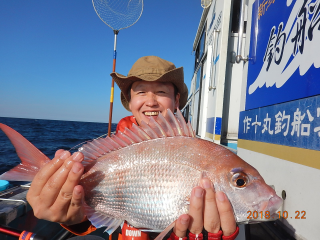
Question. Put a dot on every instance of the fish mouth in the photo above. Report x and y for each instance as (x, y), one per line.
(274, 203)
(265, 210)
(151, 113)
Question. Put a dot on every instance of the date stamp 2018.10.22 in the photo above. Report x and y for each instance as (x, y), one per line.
(280, 214)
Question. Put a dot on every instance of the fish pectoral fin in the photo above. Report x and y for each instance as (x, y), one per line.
(114, 224)
(99, 220)
(165, 231)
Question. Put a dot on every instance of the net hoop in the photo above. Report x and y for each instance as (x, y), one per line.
(94, 3)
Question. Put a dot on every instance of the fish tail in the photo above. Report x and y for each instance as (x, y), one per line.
(31, 157)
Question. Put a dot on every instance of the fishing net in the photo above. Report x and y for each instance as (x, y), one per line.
(118, 14)
(206, 3)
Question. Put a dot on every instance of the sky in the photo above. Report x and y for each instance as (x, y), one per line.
(56, 56)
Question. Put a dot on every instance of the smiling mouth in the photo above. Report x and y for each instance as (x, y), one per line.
(151, 113)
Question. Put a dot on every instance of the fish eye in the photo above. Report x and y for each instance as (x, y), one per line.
(239, 180)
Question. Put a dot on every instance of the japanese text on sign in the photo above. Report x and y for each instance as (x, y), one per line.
(295, 123)
(263, 7)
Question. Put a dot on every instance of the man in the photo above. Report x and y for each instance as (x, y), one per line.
(152, 86)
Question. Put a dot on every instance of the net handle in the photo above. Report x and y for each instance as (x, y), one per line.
(112, 83)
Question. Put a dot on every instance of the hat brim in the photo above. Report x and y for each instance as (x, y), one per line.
(174, 76)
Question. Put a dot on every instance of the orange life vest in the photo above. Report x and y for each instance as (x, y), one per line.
(126, 122)
(129, 232)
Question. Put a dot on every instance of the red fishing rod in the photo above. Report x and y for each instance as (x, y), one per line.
(21, 235)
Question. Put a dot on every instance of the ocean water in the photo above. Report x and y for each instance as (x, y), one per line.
(48, 136)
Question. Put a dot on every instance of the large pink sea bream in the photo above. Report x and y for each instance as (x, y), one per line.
(145, 175)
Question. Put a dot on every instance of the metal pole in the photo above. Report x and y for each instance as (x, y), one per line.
(240, 33)
(212, 83)
(112, 84)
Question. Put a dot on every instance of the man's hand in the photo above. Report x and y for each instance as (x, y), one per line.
(55, 194)
(209, 210)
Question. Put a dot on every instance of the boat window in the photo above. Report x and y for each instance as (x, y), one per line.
(190, 112)
(200, 48)
(202, 43)
(197, 99)
(198, 78)
(186, 113)
(236, 17)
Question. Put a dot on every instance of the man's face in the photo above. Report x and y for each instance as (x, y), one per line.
(148, 99)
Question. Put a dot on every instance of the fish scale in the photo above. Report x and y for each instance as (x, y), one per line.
(146, 177)
(165, 198)
(163, 171)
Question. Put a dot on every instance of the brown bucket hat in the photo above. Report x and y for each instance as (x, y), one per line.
(151, 68)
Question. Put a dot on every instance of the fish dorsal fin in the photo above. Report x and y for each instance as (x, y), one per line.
(125, 138)
(182, 124)
(113, 143)
(191, 132)
(100, 143)
(145, 127)
(139, 132)
(157, 128)
(117, 139)
(165, 126)
(168, 126)
(174, 123)
(132, 135)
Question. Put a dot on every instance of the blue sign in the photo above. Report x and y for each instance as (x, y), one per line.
(295, 124)
(284, 53)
